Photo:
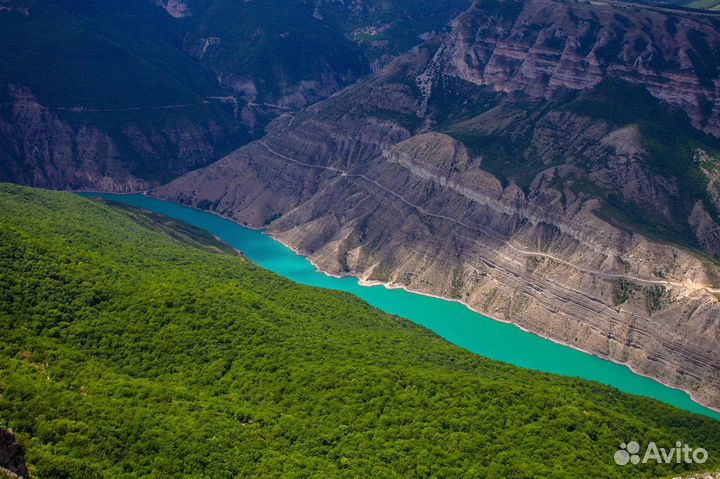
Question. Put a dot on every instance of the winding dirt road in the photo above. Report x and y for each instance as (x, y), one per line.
(509, 244)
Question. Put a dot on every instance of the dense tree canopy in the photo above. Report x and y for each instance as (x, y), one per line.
(133, 346)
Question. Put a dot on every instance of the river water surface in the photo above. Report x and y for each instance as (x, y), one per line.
(450, 320)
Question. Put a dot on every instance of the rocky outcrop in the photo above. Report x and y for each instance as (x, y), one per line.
(12, 457)
(543, 46)
(286, 55)
(705, 229)
(41, 149)
(15, 6)
(68, 148)
(539, 216)
(175, 8)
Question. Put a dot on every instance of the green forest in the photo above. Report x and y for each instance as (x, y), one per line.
(135, 346)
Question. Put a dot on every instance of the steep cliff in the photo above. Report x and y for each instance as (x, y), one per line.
(106, 149)
(530, 164)
(551, 45)
(281, 55)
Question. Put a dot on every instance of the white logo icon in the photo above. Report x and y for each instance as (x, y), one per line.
(627, 453)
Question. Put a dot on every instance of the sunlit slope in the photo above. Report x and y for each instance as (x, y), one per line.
(136, 347)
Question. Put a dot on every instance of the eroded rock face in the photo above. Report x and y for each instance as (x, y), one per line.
(42, 150)
(64, 149)
(541, 46)
(517, 220)
(175, 8)
(12, 457)
(155, 88)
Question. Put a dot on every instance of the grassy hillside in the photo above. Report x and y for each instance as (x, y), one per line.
(136, 347)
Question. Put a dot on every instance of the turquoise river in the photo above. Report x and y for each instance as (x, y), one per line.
(451, 320)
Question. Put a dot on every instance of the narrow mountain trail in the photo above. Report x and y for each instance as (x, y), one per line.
(687, 285)
(90, 109)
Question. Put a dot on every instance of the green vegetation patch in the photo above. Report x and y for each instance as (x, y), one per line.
(99, 54)
(667, 133)
(130, 351)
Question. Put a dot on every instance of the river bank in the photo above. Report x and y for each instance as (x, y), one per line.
(451, 319)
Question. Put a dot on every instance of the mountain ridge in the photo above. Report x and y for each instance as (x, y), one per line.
(122, 97)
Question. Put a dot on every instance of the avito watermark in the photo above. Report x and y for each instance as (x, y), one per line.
(682, 453)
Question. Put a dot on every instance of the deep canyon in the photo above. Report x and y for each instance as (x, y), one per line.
(483, 166)
(550, 163)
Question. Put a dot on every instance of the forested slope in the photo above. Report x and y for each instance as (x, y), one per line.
(128, 352)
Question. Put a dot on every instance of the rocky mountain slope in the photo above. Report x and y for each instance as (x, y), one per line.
(549, 163)
(98, 95)
(285, 54)
(121, 96)
(674, 55)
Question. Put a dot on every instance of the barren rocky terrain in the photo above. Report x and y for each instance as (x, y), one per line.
(549, 163)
